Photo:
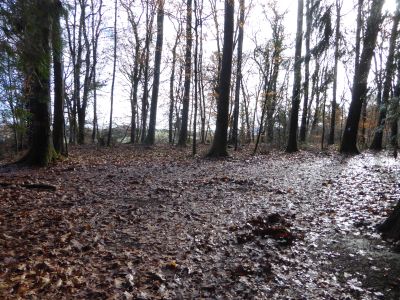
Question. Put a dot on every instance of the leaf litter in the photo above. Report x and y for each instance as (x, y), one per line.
(129, 223)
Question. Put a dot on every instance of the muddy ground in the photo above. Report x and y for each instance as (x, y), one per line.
(135, 223)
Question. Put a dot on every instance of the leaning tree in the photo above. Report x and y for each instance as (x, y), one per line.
(359, 91)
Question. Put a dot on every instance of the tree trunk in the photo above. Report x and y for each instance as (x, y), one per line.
(349, 140)
(391, 227)
(303, 127)
(358, 35)
(395, 111)
(323, 112)
(198, 21)
(77, 127)
(95, 41)
(390, 68)
(36, 60)
(202, 91)
(58, 122)
(294, 115)
(113, 75)
(156, 81)
(137, 74)
(331, 139)
(183, 133)
(238, 75)
(172, 87)
(219, 145)
(145, 100)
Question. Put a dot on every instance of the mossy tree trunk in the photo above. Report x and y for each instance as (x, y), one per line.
(36, 59)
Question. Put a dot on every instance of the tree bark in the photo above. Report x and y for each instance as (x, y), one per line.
(294, 115)
(219, 145)
(349, 140)
(36, 60)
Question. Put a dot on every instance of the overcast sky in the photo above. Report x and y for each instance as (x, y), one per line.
(256, 25)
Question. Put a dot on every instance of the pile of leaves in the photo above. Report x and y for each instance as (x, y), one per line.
(272, 226)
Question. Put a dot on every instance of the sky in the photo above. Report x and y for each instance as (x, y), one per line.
(256, 25)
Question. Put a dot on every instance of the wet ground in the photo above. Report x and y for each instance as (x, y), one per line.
(133, 223)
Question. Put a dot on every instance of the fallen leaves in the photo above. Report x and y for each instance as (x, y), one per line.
(132, 224)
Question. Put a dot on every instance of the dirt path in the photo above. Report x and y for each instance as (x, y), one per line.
(157, 224)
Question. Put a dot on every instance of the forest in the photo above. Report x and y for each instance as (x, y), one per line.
(199, 149)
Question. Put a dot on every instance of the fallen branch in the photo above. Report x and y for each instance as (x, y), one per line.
(41, 186)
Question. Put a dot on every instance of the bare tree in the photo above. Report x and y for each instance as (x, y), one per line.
(156, 82)
(58, 122)
(331, 139)
(219, 145)
(113, 75)
(235, 131)
(183, 133)
(294, 114)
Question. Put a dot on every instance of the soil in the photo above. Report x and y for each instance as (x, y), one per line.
(137, 223)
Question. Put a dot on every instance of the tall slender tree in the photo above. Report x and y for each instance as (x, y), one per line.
(96, 31)
(146, 67)
(172, 85)
(294, 114)
(309, 19)
(183, 133)
(196, 74)
(359, 90)
(58, 119)
(394, 126)
(219, 145)
(113, 75)
(331, 139)
(88, 73)
(235, 131)
(156, 82)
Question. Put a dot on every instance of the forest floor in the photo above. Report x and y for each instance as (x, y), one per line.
(136, 223)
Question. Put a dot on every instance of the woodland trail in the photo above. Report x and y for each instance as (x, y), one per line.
(134, 223)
